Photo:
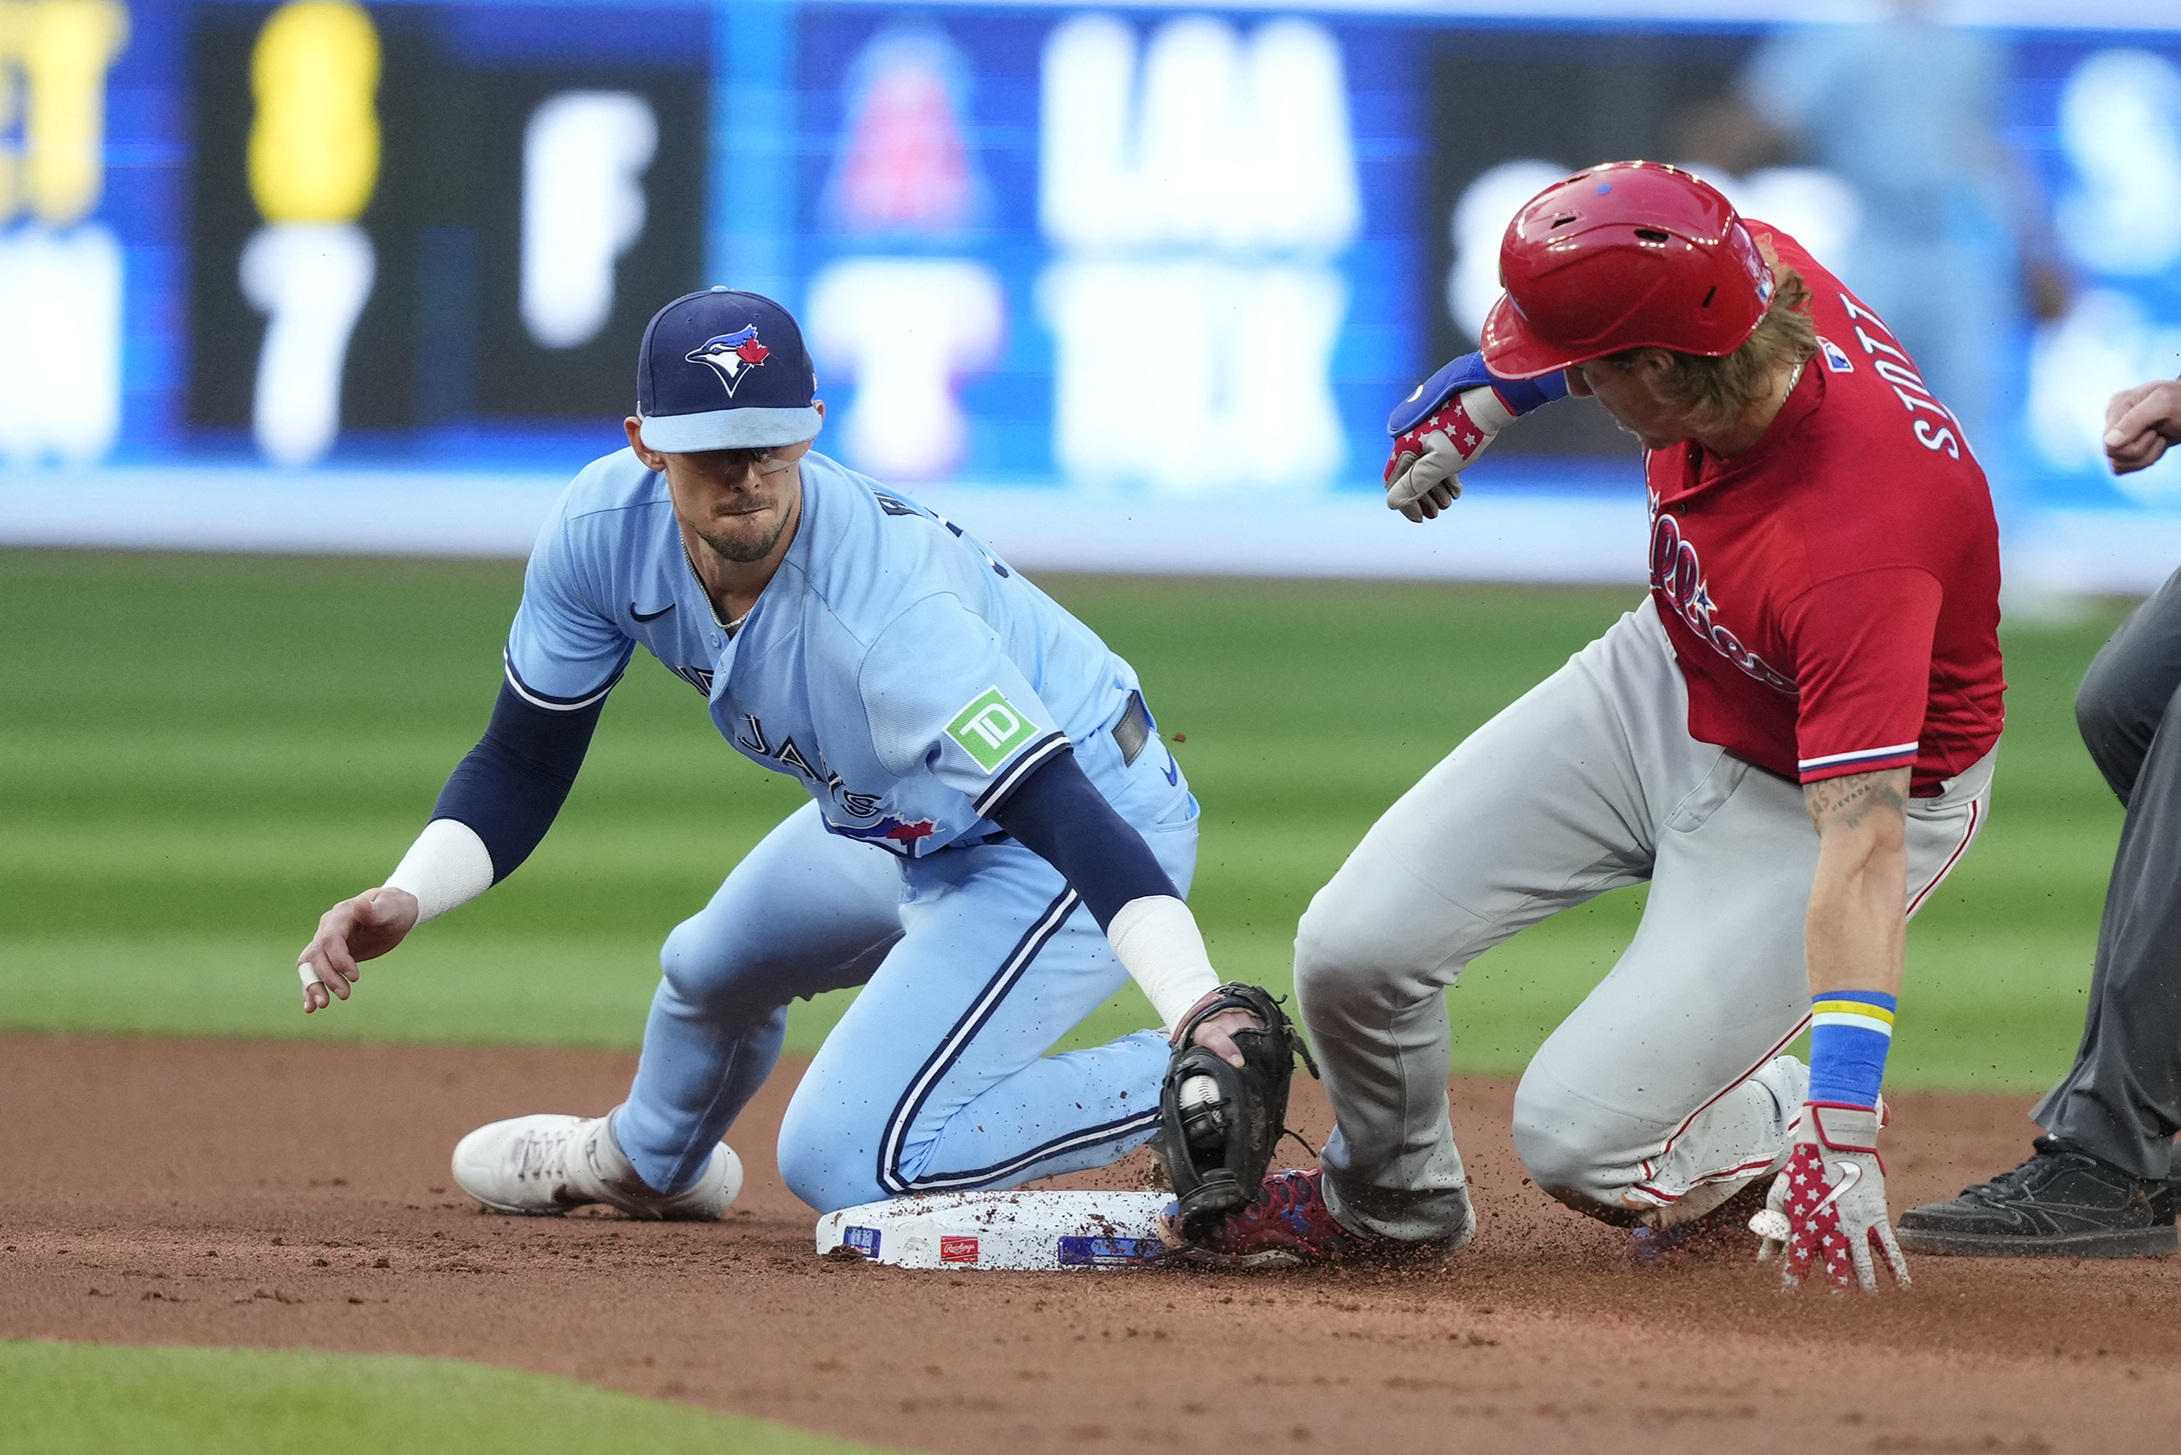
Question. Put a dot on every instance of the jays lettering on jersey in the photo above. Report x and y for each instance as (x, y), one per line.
(1832, 593)
(896, 667)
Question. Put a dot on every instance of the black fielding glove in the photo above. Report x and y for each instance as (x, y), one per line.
(1217, 1139)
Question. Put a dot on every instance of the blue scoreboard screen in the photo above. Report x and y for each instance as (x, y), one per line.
(1164, 265)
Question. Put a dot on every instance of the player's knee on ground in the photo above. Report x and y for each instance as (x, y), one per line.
(829, 1151)
(1557, 1135)
(832, 1141)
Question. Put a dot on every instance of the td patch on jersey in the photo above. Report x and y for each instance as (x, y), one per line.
(991, 728)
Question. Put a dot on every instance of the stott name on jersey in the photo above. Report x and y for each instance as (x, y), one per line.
(1893, 365)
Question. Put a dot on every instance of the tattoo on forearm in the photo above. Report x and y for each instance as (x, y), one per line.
(1848, 801)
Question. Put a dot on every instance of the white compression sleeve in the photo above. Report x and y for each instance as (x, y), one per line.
(1157, 939)
(447, 867)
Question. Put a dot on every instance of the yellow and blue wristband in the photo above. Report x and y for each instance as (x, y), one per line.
(1850, 1033)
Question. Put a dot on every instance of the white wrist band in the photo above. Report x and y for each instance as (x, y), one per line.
(1484, 407)
(1157, 939)
(447, 867)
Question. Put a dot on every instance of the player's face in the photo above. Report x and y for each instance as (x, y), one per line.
(1628, 395)
(738, 502)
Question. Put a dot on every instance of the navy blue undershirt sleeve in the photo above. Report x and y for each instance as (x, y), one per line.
(514, 781)
(1059, 815)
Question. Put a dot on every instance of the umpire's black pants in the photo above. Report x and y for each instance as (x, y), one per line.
(2122, 1100)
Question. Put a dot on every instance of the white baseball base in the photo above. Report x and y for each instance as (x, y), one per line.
(1018, 1231)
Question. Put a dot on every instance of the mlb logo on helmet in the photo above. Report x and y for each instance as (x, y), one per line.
(725, 370)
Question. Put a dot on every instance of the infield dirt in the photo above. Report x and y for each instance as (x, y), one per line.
(291, 1194)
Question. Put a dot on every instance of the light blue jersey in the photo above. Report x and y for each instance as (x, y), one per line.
(898, 669)
(910, 680)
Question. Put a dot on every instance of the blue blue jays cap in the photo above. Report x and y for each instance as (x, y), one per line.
(722, 370)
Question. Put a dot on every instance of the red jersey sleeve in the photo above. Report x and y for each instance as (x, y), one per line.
(1862, 648)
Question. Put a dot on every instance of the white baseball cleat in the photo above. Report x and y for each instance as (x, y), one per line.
(546, 1164)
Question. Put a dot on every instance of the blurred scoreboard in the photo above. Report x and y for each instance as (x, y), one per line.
(399, 223)
(1182, 254)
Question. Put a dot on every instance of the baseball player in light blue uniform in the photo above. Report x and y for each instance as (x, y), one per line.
(996, 837)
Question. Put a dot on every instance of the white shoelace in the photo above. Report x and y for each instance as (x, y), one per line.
(544, 1155)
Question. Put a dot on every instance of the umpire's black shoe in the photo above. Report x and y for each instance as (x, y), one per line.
(2062, 1203)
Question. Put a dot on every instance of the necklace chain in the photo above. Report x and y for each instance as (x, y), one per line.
(731, 626)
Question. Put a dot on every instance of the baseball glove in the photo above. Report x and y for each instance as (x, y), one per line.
(1217, 1122)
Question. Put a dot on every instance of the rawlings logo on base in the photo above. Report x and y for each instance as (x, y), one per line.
(957, 1250)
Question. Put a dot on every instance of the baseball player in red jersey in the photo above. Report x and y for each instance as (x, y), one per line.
(1791, 739)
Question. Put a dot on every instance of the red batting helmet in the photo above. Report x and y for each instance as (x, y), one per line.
(1627, 255)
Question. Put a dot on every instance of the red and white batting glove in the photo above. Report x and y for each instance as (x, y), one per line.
(1829, 1206)
(1423, 473)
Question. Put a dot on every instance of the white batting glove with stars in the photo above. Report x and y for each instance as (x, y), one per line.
(1423, 472)
(1829, 1206)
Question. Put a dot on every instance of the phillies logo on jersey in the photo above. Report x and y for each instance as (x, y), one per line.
(731, 356)
(1678, 576)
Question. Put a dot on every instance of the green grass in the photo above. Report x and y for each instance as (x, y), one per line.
(98, 1398)
(198, 754)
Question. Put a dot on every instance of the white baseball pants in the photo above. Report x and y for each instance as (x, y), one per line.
(1666, 1089)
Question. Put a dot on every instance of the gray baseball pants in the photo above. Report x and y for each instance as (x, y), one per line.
(2122, 1100)
(1666, 1090)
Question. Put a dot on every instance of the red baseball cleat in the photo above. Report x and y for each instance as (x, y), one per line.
(1290, 1224)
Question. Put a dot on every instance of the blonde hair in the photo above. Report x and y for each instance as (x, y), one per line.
(1715, 392)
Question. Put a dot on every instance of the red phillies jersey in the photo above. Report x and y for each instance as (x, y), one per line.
(1833, 592)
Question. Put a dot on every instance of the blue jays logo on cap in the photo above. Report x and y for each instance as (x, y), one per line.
(724, 370)
(730, 355)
